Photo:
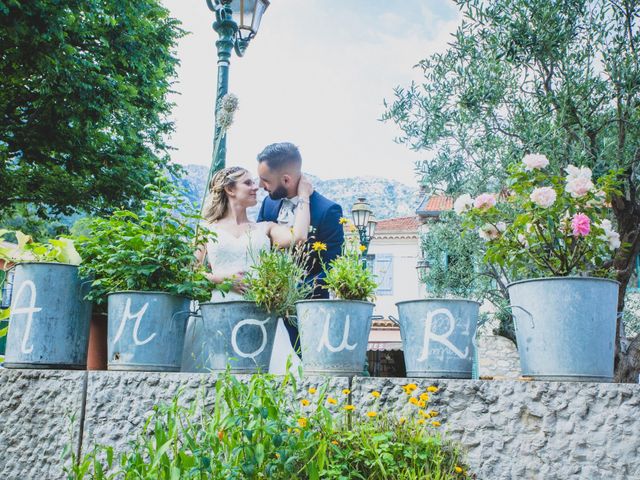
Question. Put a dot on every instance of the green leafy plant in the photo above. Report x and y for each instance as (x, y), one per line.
(276, 281)
(152, 250)
(559, 225)
(270, 427)
(346, 276)
(59, 250)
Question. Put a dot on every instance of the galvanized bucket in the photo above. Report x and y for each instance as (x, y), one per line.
(236, 333)
(334, 335)
(49, 322)
(438, 337)
(146, 331)
(565, 327)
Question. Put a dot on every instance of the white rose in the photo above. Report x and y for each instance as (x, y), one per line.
(543, 196)
(488, 232)
(574, 173)
(614, 240)
(523, 240)
(534, 161)
(463, 203)
(606, 225)
(501, 226)
(579, 187)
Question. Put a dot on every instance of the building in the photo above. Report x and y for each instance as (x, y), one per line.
(394, 254)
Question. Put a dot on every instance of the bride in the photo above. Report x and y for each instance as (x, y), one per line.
(239, 241)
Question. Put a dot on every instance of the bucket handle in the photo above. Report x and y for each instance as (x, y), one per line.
(189, 312)
(7, 286)
(533, 325)
(83, 286)
(394, 320)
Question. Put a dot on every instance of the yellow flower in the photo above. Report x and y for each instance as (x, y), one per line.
(424, 397)
(435, 423)
(343, 221)
(423, 413)
(413, 401)
(410, 387)
(349, 408)
(346, 391)
(319, 246)
(331, 401)
(422, 404)
(362, 248)
(352, 227)
(302, 422)
(277, 455)
(421, 422)
(433, 413)
(312, 390)
(335, 442)
(305, 402)
(371, 414)
(432, 389)
(458, 469)
(375, 394)
(401, 420)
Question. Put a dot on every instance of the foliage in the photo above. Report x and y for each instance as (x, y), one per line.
(276, 280)
(59, 250)
(83, 102)
(561, 78)
(346, 276)
(559, 227)
(253, 431)
(631, 315)
(149, 251)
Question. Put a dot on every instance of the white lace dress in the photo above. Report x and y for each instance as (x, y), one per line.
(229, 253)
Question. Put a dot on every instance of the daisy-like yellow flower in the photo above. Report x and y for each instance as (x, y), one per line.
(433, 413)
(331, 401)
(335, 442)
(371, 414)
(424, 414)
(349, 408)
(421, 421)
(305, 402)
(319, 246)
(432, 389)
(422, 404)
(458, 469)
(362, 248)
(343, 221)
(435, 423)
(424, 397)
(413, 401)
(375, 394)
(312, 390)
(410, 387)
(302, 422)
(401, 420)
(346, 391)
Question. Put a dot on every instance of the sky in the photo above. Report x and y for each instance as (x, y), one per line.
(316, 75)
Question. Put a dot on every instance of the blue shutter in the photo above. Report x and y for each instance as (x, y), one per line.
(384, 274)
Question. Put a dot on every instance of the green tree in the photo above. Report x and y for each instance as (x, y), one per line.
(83, 103)
(558, 77)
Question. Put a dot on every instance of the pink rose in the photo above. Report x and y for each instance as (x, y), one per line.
(534, 161)
(485, 201)
(581, 225)
(543, 197)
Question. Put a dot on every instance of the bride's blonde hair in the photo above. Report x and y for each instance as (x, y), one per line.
(217, 201)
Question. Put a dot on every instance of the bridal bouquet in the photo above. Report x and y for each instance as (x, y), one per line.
(559, 224)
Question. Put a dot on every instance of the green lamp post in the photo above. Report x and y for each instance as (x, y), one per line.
(237, 22)
(365, 222)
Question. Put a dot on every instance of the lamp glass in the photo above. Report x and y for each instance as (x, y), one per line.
(247, 15)
(360, 213)
(371, 227)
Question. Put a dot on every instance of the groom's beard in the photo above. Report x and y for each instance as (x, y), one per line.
(278, 193)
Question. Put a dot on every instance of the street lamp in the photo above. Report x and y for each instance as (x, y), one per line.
(237, 22)
(423, 267)
(365, 222)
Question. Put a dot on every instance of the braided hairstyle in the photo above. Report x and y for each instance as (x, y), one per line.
(217, 201)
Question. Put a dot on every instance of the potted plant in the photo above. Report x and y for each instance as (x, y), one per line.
(334, 333)
(559, 243)
(142, 266)
(49, 319)
(239, 334)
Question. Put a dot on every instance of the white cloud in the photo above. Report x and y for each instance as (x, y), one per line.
(314, 76)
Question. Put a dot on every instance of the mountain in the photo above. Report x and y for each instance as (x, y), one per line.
(388, 198)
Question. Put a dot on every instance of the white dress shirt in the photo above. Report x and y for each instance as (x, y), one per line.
(287, 213)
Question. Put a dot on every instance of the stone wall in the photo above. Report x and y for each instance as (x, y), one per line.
(510, 429)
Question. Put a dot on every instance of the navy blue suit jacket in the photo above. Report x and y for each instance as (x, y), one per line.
(326, 228)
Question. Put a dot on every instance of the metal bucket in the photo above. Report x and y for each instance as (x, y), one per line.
(146, 331)
(334, 335)
(565, 327)
(438, 337)
(236, 333)
(49, 322)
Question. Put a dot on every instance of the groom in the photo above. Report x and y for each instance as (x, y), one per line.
(280, 169)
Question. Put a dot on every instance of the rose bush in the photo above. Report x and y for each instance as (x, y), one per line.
(557, 226)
